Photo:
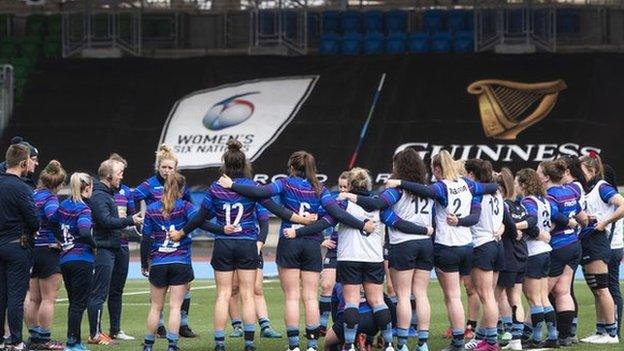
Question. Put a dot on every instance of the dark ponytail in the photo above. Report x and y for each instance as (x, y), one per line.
(235, 162)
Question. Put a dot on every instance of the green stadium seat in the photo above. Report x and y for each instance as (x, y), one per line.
(54, 27)
(30, 46)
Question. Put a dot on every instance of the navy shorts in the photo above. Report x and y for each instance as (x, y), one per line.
(596, 246)
(299, 253)
(538, 266)
(45, 262)
(489, 257)
(171, 274)
(413, 254)
(232, 254)
(330, 261)
(508, 280)
(569, 255)
(450, 259)
(360, 272)
(366, 325)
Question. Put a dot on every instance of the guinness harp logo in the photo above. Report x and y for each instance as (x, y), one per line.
(507, 108)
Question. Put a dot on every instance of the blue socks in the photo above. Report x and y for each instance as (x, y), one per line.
(173, 339)
(491, 335)
(458, 338)
(149, 339)
(401, 337)
(219, 337)
(293, 336)
(250, 330)
(423, 337)
(551, 322)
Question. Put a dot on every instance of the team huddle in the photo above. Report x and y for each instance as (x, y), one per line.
(502, 236)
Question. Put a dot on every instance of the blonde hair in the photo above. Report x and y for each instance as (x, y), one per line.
(53, 176)
(165, 153)
(78, 182)
(174, 187)
(359, 178)
(594, 162)
(447, 165)
(116, 157)
(108, 168)
(344, 175)
(460, 166)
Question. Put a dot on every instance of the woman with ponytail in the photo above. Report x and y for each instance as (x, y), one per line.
(566, 250)
(537, 226)
(299, 258)
(150, 191)
(457, 207)
(45, 280)
(236, 244)
(166, 261)
(605, 206)
(77, 256)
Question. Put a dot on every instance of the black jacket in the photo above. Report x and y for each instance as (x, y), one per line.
(29, 179)
(107, 225)
(18, 213)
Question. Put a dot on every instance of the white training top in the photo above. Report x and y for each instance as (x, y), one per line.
(597, 207)
(354, 245)
(490, 220)
(417, 210)
(582, 200)
(535, 246)
(459, 202)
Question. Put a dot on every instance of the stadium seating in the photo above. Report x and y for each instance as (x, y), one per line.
(351, 22)
(456, 20)
(373, 21)
(568, 21)
(396, 21)
(441, 42)
(395, 43)
(331, 22)
(374, 44)
(351, 44)
(433, 21)
(463, 42)
(418, 43)
(330, 44)
(266, 23)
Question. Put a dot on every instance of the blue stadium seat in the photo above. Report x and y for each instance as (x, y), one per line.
(456, 20)
(441, 42)
(331, 22)
(395, 43)
(469, 20)
(267, 22)
(330, 44)
(464, 41)
(374, 44)
(351, 22)
(418, 43)
(289, 23)
(396, 21)
(373, 21)
(351, 44)
(433, 21)
(515, 19)
(568, 21)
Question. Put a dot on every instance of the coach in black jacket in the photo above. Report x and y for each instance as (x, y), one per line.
(18, 223)
(107, 228)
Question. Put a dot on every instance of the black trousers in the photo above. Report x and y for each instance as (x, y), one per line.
(118, 281)
(102, 274)
(77, 276)
(15, 265)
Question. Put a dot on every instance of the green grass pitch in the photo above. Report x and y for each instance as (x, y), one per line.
(136, 305)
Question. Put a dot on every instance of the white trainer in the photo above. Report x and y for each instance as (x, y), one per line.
(513, 345)
(590, 338)
(123, 336)
(606, 339)
(389, 348)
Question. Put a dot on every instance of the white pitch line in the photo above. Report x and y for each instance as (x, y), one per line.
(145, 292)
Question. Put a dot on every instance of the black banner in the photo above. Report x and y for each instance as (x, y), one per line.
(78, 111)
